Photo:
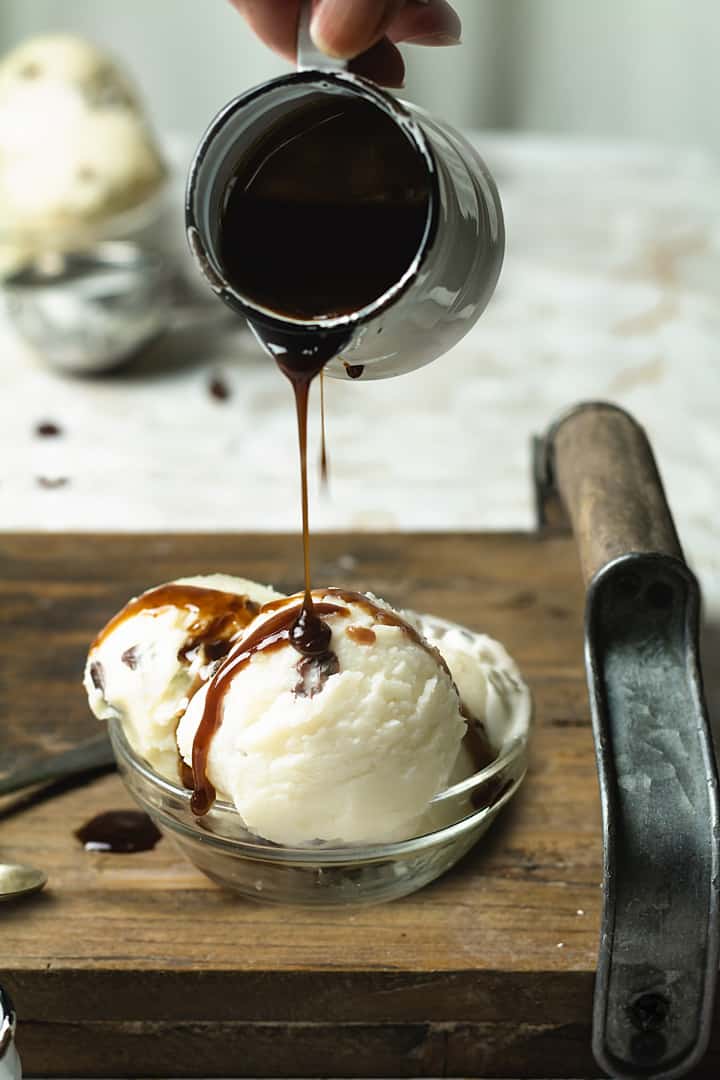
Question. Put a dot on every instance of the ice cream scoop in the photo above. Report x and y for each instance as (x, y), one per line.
(145, 665)
(351, 745)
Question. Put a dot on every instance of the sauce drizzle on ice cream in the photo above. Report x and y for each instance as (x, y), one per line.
(218, 617)
(273, 633)
(361, 635)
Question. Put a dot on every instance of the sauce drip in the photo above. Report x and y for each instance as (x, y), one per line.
(476, 739)
(218, 618)
(119, 831)
(323, 439)
(301, 356)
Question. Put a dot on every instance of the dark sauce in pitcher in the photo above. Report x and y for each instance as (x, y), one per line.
(326, 212)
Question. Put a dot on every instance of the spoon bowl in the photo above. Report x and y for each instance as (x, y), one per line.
(17, 880)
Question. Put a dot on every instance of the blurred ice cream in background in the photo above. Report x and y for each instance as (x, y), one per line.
(79, 165)
(75, 147)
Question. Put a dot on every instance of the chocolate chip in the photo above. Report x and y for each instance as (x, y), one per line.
(314, 672)
(47, 429)
(51, 481)
(97, 676)
(219, 389)
(130, 657)
(215, 650)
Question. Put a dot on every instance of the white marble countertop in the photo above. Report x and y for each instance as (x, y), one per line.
(610, 290)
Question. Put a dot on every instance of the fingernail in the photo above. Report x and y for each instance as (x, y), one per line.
(443, 40)
(323, 46)
(317, 21)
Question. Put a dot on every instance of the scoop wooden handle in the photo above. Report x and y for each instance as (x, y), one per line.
(606, 475)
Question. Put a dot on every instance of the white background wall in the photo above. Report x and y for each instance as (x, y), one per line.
(638, 68)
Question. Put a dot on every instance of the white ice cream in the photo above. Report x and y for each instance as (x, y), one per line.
(74, 144)
(489, 681)
(358, 761)
(134, 674)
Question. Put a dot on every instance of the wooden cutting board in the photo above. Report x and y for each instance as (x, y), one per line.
(136, 965)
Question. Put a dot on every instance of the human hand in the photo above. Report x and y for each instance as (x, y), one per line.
(366, 30)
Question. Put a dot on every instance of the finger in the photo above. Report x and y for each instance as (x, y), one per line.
(436, 23)
(382, 63)
(274, 22)
(346, 28)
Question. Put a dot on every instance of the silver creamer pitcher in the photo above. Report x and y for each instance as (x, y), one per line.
(452, 274)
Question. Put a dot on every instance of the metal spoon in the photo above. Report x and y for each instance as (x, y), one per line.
(17, 880)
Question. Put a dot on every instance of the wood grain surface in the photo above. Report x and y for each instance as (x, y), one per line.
(136, 965)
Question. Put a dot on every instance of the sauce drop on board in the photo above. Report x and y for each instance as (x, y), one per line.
(119, 832)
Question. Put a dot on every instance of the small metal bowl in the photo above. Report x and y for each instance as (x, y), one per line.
(90, 310)
(329, 875)
(9, 1060)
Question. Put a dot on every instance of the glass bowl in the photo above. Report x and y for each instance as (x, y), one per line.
(326, 875)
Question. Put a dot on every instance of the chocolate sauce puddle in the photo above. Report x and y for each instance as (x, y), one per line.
(119, 831)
